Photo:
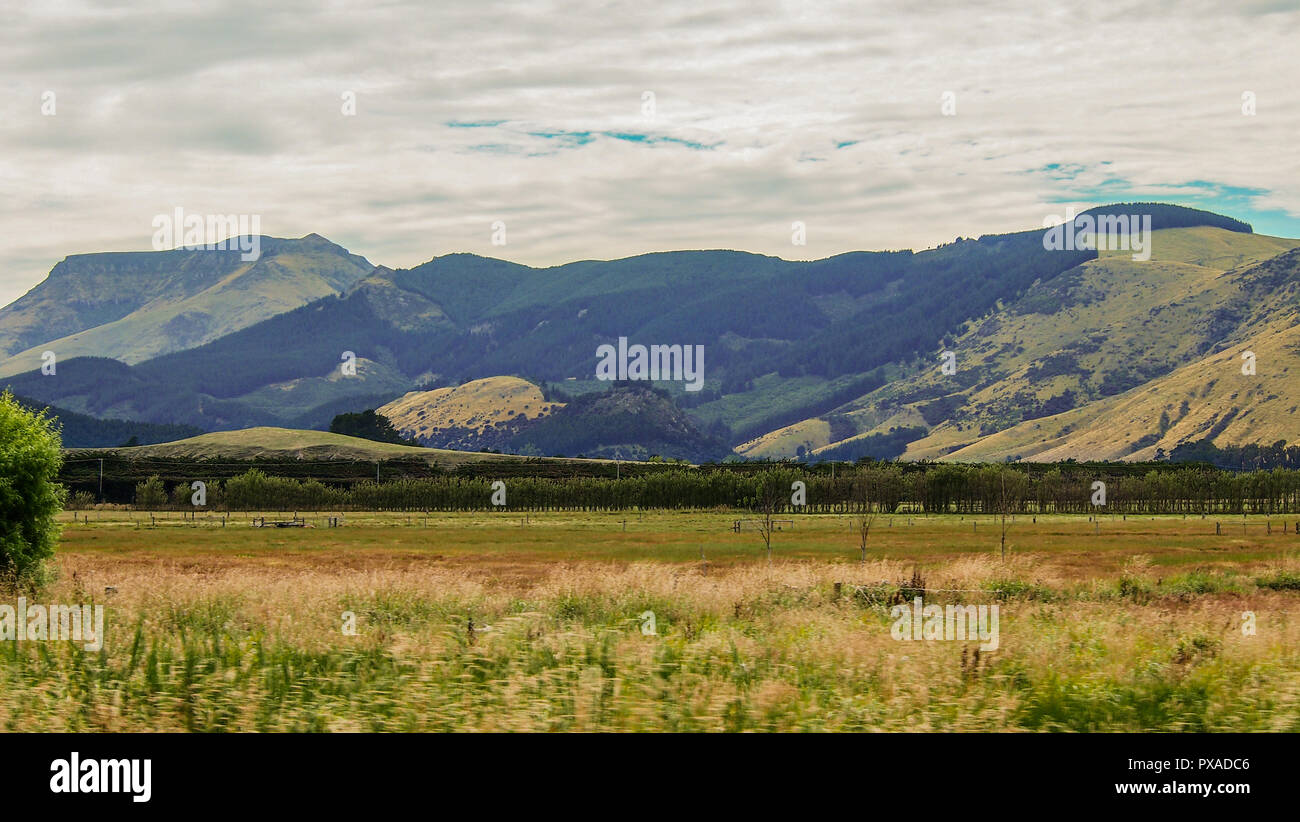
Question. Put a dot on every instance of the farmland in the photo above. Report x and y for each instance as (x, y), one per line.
(535, 621)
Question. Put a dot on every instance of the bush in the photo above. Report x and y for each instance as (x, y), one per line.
(181, 496)
(1007, 589)
(1198, 583)
(30, 459)
(1280, 581)
(151, 494)
(1133, 587)
(875, 596)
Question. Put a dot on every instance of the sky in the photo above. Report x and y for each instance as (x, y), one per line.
(408, 130)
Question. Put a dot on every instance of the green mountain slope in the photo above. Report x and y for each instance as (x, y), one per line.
(82, 431)
(1106, 328)
(1210, 399)
(136, 305)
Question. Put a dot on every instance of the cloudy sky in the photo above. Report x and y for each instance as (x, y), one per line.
(598, 130)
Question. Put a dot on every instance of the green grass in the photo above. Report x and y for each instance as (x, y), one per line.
(479, 622)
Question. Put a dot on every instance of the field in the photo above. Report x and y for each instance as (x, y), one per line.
(515, 621)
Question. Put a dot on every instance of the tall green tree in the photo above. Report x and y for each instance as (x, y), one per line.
(30, 499)
(151, 494)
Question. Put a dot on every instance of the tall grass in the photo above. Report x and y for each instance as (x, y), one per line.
(232, 648)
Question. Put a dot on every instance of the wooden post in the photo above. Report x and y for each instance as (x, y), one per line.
(1217, 530)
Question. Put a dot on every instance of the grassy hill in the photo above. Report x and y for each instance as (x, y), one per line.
(472, 408)
(1207, 399)
(629, 422)
(1072, 349)
(285, 443)
(136, 305)
(512, 415)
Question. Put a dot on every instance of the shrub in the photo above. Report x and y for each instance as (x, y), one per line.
(1280, 581)
(30, 458)
(1196, 583)
(151, 494)
(1135, 588)
(81, 501)
(1005, 589)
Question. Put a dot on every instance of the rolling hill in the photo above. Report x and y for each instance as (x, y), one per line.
(1092, 340)
(446, 417)
(284, 443)
(512, 415)
(133, 306)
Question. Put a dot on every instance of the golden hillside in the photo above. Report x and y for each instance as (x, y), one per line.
(1085, 365)
(477, 406)
(1210, 398)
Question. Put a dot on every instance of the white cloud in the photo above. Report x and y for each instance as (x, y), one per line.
(237, 110)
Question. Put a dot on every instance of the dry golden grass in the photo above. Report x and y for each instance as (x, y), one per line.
(240, 629)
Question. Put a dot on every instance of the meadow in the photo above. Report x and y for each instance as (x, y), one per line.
(509, 621)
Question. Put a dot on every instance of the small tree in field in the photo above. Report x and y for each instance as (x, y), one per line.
(30, 499)
(770, 501)
(1005, 501)
(151, 494)
(868, 517)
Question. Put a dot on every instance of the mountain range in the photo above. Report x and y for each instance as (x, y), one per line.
(133, 306)
(1049, 354)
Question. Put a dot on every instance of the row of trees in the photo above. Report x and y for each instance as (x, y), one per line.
(961, 489)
